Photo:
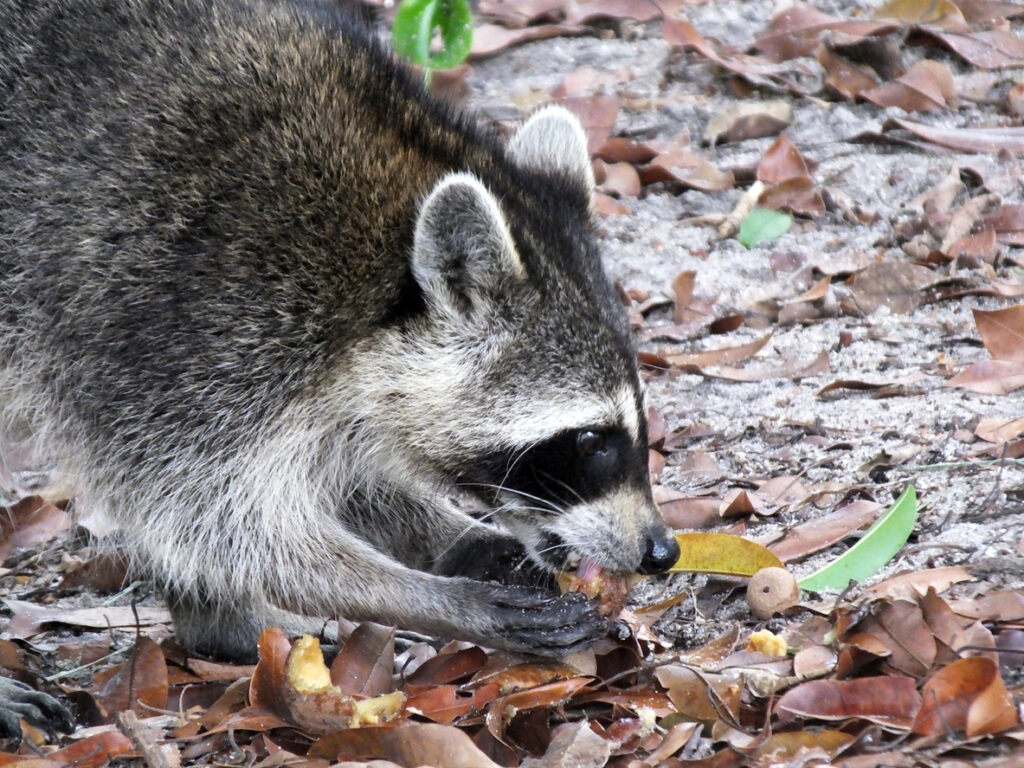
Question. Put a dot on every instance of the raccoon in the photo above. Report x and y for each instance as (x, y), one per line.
(318, 343)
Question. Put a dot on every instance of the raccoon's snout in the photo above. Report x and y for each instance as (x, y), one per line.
(661, 553)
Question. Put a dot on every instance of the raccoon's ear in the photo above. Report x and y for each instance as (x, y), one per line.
(462, 249)
(553, 141)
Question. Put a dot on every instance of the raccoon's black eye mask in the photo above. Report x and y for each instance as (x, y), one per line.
(575, 466)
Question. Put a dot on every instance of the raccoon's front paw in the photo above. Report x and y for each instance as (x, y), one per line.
(18, 700)
(501, 559)
(542, 622)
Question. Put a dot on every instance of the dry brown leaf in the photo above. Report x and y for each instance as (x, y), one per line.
(684, 167)
(790, 369)
(990, 140)
(139, 684)
(943, 13)
(522, 677)
(748, 120)
(740, 503)
(968, 695)
(797, 195)
(411, 745)
(814, 661)
(692, 513)
(893, 284)
(92, 752)
(999, 430)
(781, 161)
(609, 206)
(28, 618)
(990, 377)
(889, 701)
(488, 39)
(788, 748)
(701, 695)
(574, 744)
(1002, 332)
(619, 149)
(823, 532)
(447, 668)
(926, 86)
(266, 689)
(364, 664)
(844, 76)
(720, 356)
(504, 708)
(987, 49)
(1003, 605)
(597, 115)
(446, 703)
(910, 586)
(618, 178)
(29, 522)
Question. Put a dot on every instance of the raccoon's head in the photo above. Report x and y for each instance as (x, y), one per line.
(520, 382)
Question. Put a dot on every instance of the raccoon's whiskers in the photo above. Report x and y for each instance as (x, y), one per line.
(566, 486)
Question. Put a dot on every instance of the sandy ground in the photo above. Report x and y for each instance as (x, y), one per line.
(972, 511)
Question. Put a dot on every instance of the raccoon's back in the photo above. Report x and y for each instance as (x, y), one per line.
(203, 200)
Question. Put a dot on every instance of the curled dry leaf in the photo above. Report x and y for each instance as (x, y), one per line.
(781, 161)
(720, 356)
(746, 120)
(990, 377)
(969, 696)
(984, 140)
(926, 86)
(843, 76)
(620, 178)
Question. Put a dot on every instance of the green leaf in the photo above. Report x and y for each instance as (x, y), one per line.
(762, 225)
(414, 26)
(876, 547)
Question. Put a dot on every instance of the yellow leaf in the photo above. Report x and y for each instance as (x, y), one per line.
(722, 553)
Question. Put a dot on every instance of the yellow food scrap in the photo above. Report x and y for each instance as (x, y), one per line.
(307, 672)
(768, 643)
(379, 709)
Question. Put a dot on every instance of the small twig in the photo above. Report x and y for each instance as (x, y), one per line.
(965, 465)
(152, 753)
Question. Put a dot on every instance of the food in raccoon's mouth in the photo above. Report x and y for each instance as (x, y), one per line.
(609, 588)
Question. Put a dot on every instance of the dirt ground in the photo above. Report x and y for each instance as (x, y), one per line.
(972, 510)
(720, 433)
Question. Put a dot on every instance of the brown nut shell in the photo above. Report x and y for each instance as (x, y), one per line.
(771, 591)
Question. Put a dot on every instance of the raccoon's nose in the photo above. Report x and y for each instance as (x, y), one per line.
(662, 552)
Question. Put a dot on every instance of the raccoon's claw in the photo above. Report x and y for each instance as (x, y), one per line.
(545, 623)
(19, 701)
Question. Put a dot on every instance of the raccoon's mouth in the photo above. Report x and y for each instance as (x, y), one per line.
(556, 554)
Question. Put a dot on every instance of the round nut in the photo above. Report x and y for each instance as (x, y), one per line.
(770, 591)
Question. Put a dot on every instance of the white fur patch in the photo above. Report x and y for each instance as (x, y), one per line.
(552, 140)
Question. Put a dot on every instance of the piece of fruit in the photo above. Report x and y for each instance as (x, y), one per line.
(609, 588)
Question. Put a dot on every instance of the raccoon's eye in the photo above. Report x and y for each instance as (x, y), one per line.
(589, 442)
